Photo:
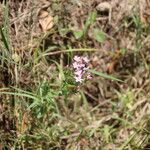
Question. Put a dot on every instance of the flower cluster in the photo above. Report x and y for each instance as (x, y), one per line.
(80, 66)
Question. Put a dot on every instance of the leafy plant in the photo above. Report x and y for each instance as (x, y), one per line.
(89, 21)
(99, 35)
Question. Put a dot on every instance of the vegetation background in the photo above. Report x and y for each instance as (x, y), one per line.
(42, 107)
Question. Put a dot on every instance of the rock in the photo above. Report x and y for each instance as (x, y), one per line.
(105, 6)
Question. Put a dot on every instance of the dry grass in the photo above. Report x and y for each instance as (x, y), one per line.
(42, 108)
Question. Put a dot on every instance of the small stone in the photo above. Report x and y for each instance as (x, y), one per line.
(105, 6)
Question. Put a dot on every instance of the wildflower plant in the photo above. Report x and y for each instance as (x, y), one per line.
(80, 66)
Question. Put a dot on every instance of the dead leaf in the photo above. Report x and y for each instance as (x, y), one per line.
(1, 147)
(144, 11)
(111, 66)
(16, 57)
(95, 61)
(114, 61)
(24, 124)
(46, 21)
(43, 1)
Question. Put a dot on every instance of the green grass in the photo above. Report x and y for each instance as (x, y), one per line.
(43, 108)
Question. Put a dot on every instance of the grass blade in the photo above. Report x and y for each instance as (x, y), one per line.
(128, 140)
(4, 39)
(20, 94)
(105, 75)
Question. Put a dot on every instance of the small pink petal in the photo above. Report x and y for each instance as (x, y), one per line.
(78, 65)
(77, 58)
(85, 59)
(79, 73)
(75, 65)
(78, 79)
(89, 76)
(85, 68)
(82, 65)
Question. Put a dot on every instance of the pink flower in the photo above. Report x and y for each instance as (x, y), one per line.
(76, 65)
(86, 60)
(79, 73)
(77, 58)
(80, 66)
(85, 68)
(78, 79)
(89, 76)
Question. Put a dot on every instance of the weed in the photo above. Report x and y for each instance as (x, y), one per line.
(46, 98)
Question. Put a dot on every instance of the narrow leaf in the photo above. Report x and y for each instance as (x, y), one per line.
(105, 75)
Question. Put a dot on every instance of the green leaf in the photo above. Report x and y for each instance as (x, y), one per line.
(4, 31)
(123, 51)
(63, 32)
(91, 19)
(78, 34)
(4, 39)
(105, 75)
(99, 35)
(20, 94)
